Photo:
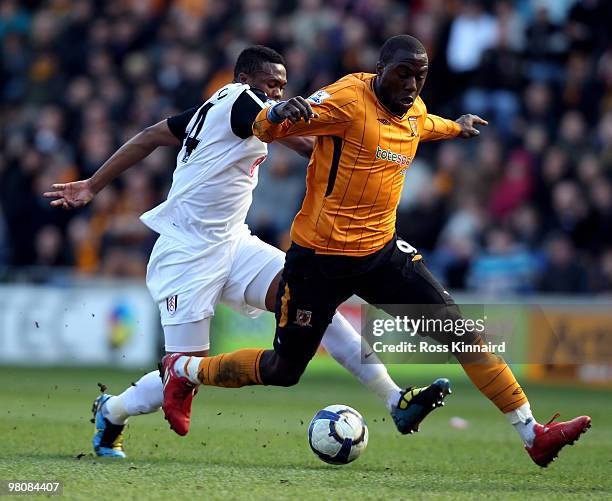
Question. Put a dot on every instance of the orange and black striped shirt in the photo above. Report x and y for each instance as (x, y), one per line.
(356, 171)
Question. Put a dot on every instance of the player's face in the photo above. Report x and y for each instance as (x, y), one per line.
(400, 81)
(271, 79)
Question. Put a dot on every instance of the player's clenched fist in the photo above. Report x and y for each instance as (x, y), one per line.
(294, 109)
(468, 123)
(71, 195)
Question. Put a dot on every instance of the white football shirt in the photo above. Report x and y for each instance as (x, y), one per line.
(216, 169)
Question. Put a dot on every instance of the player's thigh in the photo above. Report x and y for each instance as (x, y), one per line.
(402, 279)
(305, 305)
(191, 337)
(254, 268)
(404, 287)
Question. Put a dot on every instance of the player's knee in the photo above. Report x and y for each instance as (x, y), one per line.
(279, 371)
(286, 376)
(444, 315)
(452, 312)
(289, 379)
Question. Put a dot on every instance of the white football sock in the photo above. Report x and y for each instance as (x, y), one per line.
(144, 397)
(188, 366)
(523, 421)
(344, 344)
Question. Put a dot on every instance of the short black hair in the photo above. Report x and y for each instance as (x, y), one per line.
(400, 42)
(253, 58)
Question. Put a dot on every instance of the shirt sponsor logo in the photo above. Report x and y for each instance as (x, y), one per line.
(391, 156)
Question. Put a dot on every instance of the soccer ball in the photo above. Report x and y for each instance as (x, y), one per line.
(338, 434)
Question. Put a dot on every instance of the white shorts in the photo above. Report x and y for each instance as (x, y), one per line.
(187, 282)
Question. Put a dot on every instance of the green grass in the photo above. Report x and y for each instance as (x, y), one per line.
(251, 444)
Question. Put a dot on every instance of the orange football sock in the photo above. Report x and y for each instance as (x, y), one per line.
(231, 370)
(496, 381)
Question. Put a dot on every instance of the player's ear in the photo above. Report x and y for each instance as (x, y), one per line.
(243, 78)
(380, 67)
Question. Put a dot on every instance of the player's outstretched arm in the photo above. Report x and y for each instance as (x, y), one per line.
(80, 193)
(327, 113)
(436, 128)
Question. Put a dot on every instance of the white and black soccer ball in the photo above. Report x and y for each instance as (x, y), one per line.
(338, 434)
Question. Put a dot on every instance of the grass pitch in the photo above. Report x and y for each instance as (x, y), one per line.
(251, 444)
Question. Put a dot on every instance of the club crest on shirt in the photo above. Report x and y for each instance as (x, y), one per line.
(413, 123)
(172, 304)
(318, 97)
(303, 318)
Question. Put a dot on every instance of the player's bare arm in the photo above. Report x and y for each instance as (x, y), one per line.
(303, 146)
(80, 193)
(468, 125)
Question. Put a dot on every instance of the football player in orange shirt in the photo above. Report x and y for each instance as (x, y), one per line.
(367, 129)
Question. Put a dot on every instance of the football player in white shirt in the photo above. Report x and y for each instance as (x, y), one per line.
(205, 253)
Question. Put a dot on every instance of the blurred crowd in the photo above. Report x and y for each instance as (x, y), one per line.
(527, 207)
